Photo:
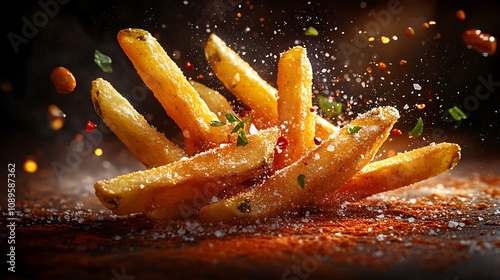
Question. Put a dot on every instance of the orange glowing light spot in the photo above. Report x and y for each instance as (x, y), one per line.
(425, 25)
(79, 137)
(420, 106)
(402, 62)
(382, 66)
(371, 39)
(98, 152)
(261, 19)
(30, 166)
(410, 32)
(460, 14)
(368, 69)
(200, 76)
(238, 15)
(56, 117)
(385, 39)
(432, 22)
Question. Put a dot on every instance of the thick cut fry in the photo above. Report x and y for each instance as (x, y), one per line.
(243, 81)
(178, 181)
(179, 99)
(215, 101)
(312, 177)
(148, 145)
(254, 91)
(398, 171)
(295, 118)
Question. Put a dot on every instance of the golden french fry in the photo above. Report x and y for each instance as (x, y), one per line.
(179, 99)
(295, 118)
(243, 81)
(148, 145)
(252, 90)
(215, 101)
(312, 177)
(180, 180)
(394, 172)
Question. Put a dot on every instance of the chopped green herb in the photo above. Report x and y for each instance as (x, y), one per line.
(353, 129)
(456, 113)
(232, 118)
(311, 31)
(103, 61)
(302, 180)
(242, 138)
(217, 123)
(418, 129)
(238, 128)
(329, 107)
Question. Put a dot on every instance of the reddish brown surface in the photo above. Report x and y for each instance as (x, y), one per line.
(444, 228)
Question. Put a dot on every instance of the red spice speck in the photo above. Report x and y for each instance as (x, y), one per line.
(189, 66)
(318, 141)
(282, 143)
(396, 131)
(90, 126)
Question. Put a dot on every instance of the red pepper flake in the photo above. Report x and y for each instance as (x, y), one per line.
(189, 66)
(90, 126)
(396, 131)
(282, 143)
(318, 140)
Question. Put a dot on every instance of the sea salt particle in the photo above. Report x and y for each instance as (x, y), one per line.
(452, 224)
(417, 86)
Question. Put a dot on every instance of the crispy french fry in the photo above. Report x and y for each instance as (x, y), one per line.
(394, 172)
(312, 177)
(243, 81)
(295, 118)
(254, 91)
(215, 101)
(179, 99)
(179, 181)
(148, 145)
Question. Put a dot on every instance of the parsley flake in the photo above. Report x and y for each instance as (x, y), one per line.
(302, 180)
(418, 129)
(311, 31)
(456, 113)
(103, 61)
(329, 107)
(353, 129)
(238, 128)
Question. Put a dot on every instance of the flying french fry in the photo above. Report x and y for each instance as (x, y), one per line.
(295, 118)
(251, 89)
(148, 145)
(395, 172)
(243, 81)
(312, 177)
(179, 99)
(161, 186)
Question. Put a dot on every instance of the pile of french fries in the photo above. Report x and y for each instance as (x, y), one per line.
(280, 157)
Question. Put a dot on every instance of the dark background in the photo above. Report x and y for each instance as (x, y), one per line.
(445, 68)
